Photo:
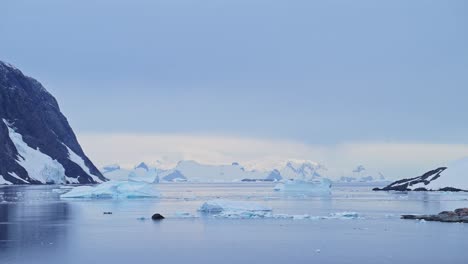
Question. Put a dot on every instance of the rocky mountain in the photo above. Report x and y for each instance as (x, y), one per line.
(37, 145)
(451, 178)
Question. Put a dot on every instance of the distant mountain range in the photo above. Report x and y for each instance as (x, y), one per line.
(193, 171)
(37, 145)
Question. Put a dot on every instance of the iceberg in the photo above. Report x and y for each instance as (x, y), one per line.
(113, 189)
(314, 187)
(220, 205)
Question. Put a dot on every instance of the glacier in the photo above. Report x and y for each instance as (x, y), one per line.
(113, 189)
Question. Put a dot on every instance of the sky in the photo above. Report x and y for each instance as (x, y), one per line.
(379, 83)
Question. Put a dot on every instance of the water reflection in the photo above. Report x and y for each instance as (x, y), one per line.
(31, 218)
(37, 227)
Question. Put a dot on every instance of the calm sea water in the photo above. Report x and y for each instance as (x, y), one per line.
(36, 226)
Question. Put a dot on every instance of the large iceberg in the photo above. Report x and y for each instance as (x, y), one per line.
(113, 189)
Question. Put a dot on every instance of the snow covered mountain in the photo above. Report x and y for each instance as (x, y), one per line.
(451, 178)
(301, 169)
(37, 145)
(142, 173)
(187, 170)
(362, 174)
(195, 171)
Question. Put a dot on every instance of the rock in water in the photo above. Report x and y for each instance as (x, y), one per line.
(458, 216)
(157, 217)
(37, 145)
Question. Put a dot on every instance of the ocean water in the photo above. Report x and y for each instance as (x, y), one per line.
(36, 226)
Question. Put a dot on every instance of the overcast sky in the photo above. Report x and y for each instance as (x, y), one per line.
(320, 74)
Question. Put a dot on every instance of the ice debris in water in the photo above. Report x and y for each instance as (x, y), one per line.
(114, 189)
(344, 215)
(249, 210)
(219, 205)
(314, 187)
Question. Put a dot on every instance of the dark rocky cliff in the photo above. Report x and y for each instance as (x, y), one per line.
(27, 109)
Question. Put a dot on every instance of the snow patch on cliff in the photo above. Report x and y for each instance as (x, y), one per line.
(39, 166)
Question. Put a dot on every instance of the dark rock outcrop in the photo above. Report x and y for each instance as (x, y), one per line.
(30, 111)
(157, 217)
(458, 216)
(417, 183)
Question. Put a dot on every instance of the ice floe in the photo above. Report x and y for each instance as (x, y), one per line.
(314, 187)
(249, 210)
(114, 189)
(220, 205)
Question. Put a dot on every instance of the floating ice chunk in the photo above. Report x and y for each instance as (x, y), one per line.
(315, 187)
(239, 214)
(344, 215)
(301, 217)
(219, 205)
(114, 189)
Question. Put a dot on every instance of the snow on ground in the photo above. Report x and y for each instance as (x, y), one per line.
(114, 189)
(38, 165)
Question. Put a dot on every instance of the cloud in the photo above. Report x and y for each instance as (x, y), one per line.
(394, 160)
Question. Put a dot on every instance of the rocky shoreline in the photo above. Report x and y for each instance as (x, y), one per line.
(458, 216)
